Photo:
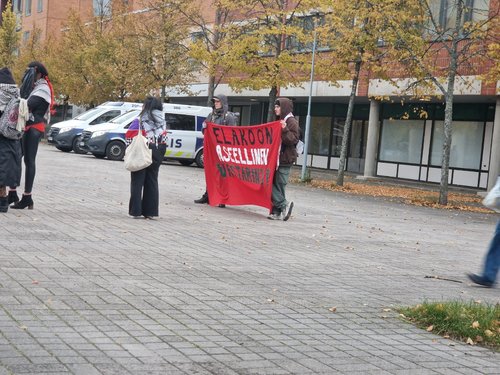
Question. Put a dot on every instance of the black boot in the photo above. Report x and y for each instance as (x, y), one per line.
(203, 199)
(13, 197)
(25, 201)
(4, 204)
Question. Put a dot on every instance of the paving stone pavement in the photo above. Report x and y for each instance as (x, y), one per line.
(85, 290)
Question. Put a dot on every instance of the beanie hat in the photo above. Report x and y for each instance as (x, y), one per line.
(6, 77)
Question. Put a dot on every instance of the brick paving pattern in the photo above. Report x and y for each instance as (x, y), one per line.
(84, 289)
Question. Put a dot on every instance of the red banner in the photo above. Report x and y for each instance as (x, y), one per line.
(240, 162)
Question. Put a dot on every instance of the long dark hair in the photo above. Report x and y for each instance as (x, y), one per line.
(150, 104)
(28, 81)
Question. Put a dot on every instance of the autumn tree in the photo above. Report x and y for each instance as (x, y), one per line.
(210, 45)
(453, 42)
(9, 37)
(263, 49)
(161, 47)
(355, 34)
(96, 62)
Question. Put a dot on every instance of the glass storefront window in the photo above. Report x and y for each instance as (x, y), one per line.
(401, 141)
(338, 133)
(466, 144)
(357, 143)
(319, 135)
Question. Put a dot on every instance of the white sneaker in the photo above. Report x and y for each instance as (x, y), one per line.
(288, 211)
(274, 216)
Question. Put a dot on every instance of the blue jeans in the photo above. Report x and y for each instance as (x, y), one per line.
(492, 261)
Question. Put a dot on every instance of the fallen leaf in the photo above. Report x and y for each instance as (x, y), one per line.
(479, 339)
(270, 300)
(386, 310)
(333, 309)
(469, 341)
(488, 333)
(430, 328)
(475, 324)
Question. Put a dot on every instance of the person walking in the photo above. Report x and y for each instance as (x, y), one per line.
(37, 90)
(491, 266)
(220, 115)
(144, 191)
(10, 149)
(290, 136)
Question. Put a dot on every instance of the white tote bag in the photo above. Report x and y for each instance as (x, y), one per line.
(138, 155)
(492, 199)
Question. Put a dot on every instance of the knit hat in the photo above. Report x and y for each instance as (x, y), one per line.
(6, 77)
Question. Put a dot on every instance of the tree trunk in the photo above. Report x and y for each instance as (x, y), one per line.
(448, 109)
(215, 42)
(272, 99)
(163, 94)
(348, 122)
(210, 90)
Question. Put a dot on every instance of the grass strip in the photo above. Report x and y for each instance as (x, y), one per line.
(471, 322)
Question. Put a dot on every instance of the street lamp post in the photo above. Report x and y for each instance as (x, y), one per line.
(308, 118)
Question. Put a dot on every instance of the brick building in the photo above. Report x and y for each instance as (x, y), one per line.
(379, 145)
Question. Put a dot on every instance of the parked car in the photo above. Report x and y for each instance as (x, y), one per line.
(108, 139)
(184, 143)
(65, 135)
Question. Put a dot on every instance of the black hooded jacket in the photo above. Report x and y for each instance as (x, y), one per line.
(290, 134)
(222, 116)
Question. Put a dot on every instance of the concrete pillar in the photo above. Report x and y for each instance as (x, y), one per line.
(372, 140)
(495, 149)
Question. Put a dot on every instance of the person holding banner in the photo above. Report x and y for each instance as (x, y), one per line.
(290, 135)
(220, 115)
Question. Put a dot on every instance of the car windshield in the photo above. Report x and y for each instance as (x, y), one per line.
(88, 115)
(127, 116)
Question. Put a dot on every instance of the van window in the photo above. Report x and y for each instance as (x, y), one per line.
(105, 117)
(86, 115)
(180, 122)
(125, 117)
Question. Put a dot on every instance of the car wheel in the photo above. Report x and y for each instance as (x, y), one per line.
(199, 159)
(63, 149)
(115, 150)
(99, 156)
(187, 163)
(76, 146)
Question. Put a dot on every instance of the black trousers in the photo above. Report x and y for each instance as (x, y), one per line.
(144, 192)
(29, 146)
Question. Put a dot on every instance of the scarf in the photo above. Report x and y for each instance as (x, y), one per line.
(7, 92)
(154, 127)
(42, 90)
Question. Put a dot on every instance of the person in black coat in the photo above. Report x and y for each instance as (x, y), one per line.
(10, 149)
(37, 90)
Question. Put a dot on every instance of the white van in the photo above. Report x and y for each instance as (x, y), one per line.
(185, 139)
(184, 143)
(65, 135)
